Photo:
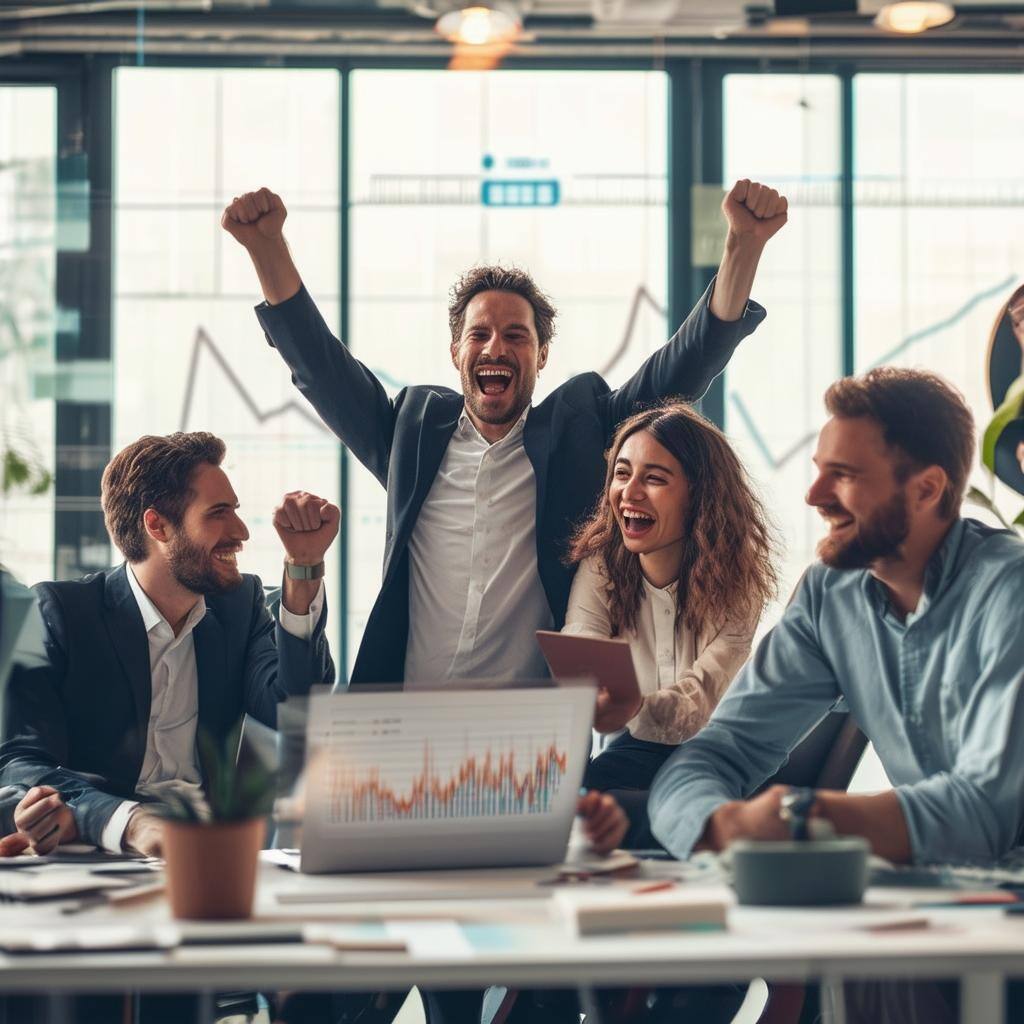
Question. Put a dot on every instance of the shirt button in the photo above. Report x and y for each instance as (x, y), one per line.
(667, 611)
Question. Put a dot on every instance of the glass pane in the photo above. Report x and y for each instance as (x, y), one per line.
(561, 173)
(939, 246)
(28, 258)
(784, 130)
(188, 351)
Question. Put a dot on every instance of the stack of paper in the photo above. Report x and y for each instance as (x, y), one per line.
(596, 912)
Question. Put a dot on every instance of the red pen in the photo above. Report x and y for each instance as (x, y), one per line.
(653, 887)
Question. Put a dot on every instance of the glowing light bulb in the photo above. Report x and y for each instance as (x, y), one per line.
(478, 26)
(912, 16)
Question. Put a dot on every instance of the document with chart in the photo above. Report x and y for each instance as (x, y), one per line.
(443, 779)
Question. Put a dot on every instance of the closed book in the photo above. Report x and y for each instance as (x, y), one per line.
(592, 913)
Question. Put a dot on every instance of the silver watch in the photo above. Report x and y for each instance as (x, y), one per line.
(303, 572)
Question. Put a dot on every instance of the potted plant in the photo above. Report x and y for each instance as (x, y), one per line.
(212, 852)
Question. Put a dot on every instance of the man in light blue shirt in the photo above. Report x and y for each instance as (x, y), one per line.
(914, 616)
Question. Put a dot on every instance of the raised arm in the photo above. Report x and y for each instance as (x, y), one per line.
(754, 213)
(345, 393)
(256, 221)
(698, 352)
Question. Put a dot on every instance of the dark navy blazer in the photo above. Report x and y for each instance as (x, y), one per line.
(402, 442)
(80, 725)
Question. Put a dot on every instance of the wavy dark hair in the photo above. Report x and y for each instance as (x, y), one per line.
(727, 572)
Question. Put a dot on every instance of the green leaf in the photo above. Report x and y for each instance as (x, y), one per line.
(974, 496)
(233, 793)
(1019, 521)
(1012, 407)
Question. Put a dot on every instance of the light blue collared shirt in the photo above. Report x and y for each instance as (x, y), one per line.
(940, 695)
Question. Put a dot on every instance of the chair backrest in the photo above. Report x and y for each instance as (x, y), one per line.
(826, 757)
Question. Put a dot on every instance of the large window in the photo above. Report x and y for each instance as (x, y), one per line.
(785, 130)
(940, 202)
(561, 173)
(188, 351)
(28, 247)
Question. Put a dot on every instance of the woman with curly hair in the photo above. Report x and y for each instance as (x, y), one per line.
(678, 558)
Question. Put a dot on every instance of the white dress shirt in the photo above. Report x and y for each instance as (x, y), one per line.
(682, 676)
(170, 761)
(475, 596)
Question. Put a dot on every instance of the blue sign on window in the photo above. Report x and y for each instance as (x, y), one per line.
(516, 192)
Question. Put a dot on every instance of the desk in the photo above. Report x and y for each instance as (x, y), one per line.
(519, 940)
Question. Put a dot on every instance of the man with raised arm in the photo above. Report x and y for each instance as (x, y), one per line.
(483, 487)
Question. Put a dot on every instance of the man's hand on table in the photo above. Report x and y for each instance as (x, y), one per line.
(144, 833)
(43, 821)
(746, 819)
(604, 822)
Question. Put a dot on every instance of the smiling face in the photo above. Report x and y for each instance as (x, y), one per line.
(858, 494)
(649, 496)
(498, 357)
(202, 552)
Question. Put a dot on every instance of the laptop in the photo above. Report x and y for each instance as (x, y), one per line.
(443, 779)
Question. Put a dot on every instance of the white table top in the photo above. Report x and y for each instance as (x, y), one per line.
(519, 939)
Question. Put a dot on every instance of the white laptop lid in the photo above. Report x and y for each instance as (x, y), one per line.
(444, 778)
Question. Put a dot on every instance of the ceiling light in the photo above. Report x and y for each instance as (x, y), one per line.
(481, 24)
(910, 16)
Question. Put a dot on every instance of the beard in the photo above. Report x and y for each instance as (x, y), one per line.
(513, 400)
(880, 536)
(195, 570)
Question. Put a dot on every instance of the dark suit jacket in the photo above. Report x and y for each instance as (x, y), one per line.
(402, 442)
(80, 725)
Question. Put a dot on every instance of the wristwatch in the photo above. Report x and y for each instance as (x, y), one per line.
(795, 810)
(294, 571)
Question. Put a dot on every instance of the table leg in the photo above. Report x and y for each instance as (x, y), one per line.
(59, 1008)
(589, 1004)
(833, 1001)
(204, 1008)
(982, 998)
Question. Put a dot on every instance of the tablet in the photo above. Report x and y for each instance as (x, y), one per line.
(609, 662)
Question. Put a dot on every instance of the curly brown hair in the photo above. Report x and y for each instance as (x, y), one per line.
(727, 572)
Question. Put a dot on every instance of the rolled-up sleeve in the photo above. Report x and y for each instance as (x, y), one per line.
(973, 813)
(776, 699)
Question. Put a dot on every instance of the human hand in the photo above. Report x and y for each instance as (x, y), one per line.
(255, 218)
(610, 714)
(44, 820)
(604, 821)
(306, 525)
(144, 833)
(757, 818)
(754, 212)
(14, 844)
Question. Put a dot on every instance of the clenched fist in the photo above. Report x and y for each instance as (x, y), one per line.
(255, 218)
(754, 210)
(307, 525)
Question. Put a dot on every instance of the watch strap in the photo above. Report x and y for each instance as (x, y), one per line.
(303, 572)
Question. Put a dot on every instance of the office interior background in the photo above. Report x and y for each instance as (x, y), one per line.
(592, 152)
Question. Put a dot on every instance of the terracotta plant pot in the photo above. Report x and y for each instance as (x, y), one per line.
(211, 868)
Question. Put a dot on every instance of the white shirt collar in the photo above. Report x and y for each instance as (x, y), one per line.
(467, 428)
(151, 617)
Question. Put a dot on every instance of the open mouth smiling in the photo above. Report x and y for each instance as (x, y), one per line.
(635, 523)
(493, 380)
(227, 556)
